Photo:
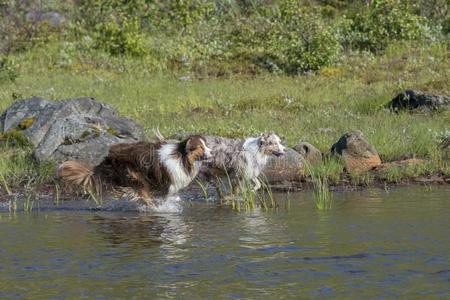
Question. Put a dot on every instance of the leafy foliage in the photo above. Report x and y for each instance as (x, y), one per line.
(120, 38)
(209, 38)
(300, 40)
(8, 71)
(384, 21)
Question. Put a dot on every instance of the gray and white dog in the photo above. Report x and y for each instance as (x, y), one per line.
(241, 160)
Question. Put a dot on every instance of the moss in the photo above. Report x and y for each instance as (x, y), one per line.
(26, 123)
(112, 131)
(85, 134)
(68, 141)
(15, 138)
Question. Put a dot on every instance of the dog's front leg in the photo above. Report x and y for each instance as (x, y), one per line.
(257, 183)
(218, 185)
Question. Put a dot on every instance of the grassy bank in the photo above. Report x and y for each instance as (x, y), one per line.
(317, 108)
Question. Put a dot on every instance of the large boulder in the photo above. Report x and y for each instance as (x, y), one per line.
(310, 153)
(286, 168)
(358, 154)
(81, 128)
(420, 101)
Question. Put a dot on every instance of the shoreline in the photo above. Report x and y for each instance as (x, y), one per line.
(49, 192)
(345, 184)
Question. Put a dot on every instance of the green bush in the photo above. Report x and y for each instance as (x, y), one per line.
(19, 34)
(185, 12)
(93, 12)
(298, 39)
(446, 25)
(122, 38)
(8, 71)
(205, 38)
(382, 22)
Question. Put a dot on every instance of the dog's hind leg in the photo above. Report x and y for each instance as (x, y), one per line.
(235, 186)
(141, 186)
(218, 185)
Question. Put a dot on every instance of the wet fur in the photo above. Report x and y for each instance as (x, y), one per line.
(141, 170)
(241, 160)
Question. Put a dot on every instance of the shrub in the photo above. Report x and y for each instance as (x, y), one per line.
(184, 13)
(8, 71)
(120, 38)
(24, 25)
(446, 25)
(299, 40)
(382, 22)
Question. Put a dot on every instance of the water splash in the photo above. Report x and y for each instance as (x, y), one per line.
(170, 204)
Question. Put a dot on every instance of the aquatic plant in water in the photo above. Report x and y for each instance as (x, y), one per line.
(321, 193)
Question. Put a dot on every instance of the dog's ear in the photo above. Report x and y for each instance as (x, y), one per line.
(189, 144)
(262, 139)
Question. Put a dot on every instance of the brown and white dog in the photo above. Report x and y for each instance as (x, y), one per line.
(242, 160)
(144, 170)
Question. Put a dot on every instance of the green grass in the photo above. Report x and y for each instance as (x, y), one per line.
(19, 169)
(248, 199)
(317, 108)
(320, 175)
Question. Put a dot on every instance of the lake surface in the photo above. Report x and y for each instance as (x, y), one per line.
(373, 243)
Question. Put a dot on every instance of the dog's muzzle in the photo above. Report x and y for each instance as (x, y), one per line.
(281, 152)
(208, 154)
(278, 154)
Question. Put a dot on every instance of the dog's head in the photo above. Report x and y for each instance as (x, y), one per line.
(196, 149)
(270, 143)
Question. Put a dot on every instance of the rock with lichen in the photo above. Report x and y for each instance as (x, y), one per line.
(358, 154)
(81, 128)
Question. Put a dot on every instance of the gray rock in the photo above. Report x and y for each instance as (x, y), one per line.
(310, 153)
(289, 167)
(53, 18)
(79, 128)
(418, 100)
(358, 154)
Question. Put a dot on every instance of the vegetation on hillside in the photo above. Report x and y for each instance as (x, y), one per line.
(212, 38)
(306, 69)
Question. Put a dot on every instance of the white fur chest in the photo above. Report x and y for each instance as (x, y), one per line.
(255, 159)
(180, 178)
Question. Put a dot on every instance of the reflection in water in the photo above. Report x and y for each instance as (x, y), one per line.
(134, 231)
(167, 231)
(372, 244)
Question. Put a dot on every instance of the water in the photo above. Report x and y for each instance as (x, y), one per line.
(372, 244)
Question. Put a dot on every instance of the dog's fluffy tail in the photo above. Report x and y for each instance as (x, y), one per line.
(80, 174)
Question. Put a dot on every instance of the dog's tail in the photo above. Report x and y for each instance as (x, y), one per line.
(80, 174)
